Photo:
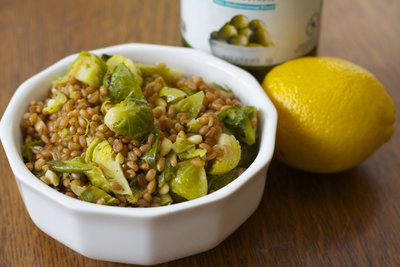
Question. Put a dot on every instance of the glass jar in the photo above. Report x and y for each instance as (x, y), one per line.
(253, 34)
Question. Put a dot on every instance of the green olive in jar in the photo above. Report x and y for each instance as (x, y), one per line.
(239, 40)
(254, 45)
(221, 40)
(214, 35)
(246, 32)
(261, 37)
(227, 31)
(256, 24)
(240, 21)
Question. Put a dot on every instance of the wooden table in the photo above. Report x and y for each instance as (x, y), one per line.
(352, 218)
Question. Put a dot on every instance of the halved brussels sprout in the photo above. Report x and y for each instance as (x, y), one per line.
(182, 144)
(131, 117)
(87, 68)
(216, 182)
(137, 193)
(166, 199)
(115, 60)
(78, 165)
(121, 83)
(150, 156)
(168, 173)
(248, 155)
(190, 181)
(110, 164)
(93, 194)
(219, 87)
(168, 74)
(238, 120)
(27, 150)
(172, 94)
(56, 104)
(193, 153)
(191, 104)
(225, 163)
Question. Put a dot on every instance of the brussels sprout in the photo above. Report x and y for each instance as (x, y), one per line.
(193, 153)
(168, 74)
(216, 182)
(131, 117)
(256, 24)
(249, 154)
(225, 163)
(77, 189)
(190, 181)
(105, 105)
(238, 120)
(187, 90)
(239, 40)
(240, 21)
(27, 150)
(172, 94)
(165, 199)
(115, 60)
(87, 68)
(55, 105)
(90, 149)
(78, 165)
(182, 144)
(191, 104)
(137, 193)
(150, 156)
(219, 87)
(93, 194)
(168, 173)
(121, 83)
(97, 178)
(227, 31)
(110, 164)
(105, 57)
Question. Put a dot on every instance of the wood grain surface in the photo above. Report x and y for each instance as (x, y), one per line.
(349, 219)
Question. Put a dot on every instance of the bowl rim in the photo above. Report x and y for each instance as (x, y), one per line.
(24, 176)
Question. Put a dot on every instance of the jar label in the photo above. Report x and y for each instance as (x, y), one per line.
(251, 32)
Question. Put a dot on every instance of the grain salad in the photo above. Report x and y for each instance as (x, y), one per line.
(114, 132)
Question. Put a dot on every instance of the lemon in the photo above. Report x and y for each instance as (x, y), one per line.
(332, 114)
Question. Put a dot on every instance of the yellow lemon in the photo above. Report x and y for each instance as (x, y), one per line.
(332, 114)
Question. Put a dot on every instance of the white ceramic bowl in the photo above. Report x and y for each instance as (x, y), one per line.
(152, 235)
